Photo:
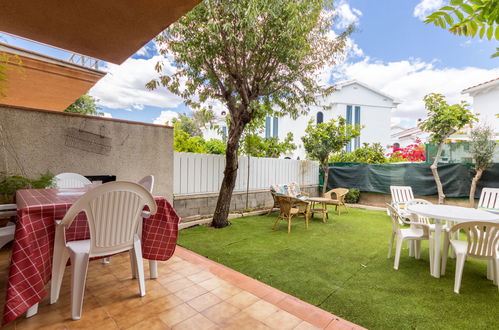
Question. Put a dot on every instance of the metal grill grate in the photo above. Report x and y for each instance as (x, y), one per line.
(88, 141)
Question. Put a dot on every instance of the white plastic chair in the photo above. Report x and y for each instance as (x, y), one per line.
(7, 232)
(113, 212)
(482, 243)
(411, 234)
(489, 200)
(148, 183)
(71, 180)
(400, 196)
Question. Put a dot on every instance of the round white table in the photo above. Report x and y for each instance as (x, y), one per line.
(450, 213)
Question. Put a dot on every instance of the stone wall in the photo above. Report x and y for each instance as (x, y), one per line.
(192, 206)
(33, 142)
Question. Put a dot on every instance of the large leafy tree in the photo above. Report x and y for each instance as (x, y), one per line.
(86, 105)
(325, 139)
(442, 121)
(469, 18)
(482, 146)
(253, 56)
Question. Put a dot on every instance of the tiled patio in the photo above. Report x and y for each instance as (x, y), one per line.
(191, 292)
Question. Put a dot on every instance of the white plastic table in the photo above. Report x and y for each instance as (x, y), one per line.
(450, 213)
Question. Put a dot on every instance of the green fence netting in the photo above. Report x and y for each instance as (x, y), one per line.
(456, 178)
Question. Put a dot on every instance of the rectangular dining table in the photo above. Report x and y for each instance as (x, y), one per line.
(448, 213)
(31, 262)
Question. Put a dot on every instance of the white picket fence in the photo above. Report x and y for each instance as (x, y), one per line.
(203, 173)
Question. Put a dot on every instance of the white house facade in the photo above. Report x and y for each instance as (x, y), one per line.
(486, 102)
(406, 136)
(357, 102)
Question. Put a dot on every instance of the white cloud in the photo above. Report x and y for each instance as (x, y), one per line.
(426, 7)
(346, 15)
(410, 80)
(124, 86)
(165, 116)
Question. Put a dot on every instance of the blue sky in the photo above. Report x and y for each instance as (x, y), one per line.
(391, 50)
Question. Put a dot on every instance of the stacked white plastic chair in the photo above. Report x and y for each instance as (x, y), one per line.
(414, 233)
(7, 232)
(489, 201)
(482, 243)
(400, 196)
(70, 180)
(113, 212)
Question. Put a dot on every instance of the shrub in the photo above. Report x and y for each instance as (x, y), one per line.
(10, 184)
(352, 196)
(368, 153)
(412, 153)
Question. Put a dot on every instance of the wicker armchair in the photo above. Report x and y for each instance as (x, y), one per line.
(289, 207)
(339, 193)
(294, 187)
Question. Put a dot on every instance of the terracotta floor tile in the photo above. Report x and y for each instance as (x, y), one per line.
(105, 324)
(178, 285)
(201, 276)
(163, 303)
(177, 314)
(243, 299)
(340, 324)
(154, 323)
(221, 312)
(198, 322)
(243, 321)
(154, 290)
(171, 276)
(275, 296)
(189, 270)
(306, 312)
(211, 283)
(260, 310)
(226, 291)
(282, 320)
(306, 326)
(191, 292)
(204, 301)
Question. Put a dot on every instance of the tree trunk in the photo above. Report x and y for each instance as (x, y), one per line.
(434, 166)
(230, 174)
(477, 177)
(325, 167)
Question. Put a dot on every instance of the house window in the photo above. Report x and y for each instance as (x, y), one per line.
(224, 131)
(357, 125)
(275, 128)
(267, 127)
(320, 117)
(349, 122)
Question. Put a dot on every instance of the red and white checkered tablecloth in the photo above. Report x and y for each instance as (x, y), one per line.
(31, 264)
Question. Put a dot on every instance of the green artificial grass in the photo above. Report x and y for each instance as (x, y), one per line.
(342, 267)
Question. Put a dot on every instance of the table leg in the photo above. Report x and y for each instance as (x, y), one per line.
(153, 268)
(324, 212)
(436, 247)
(32, 311)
